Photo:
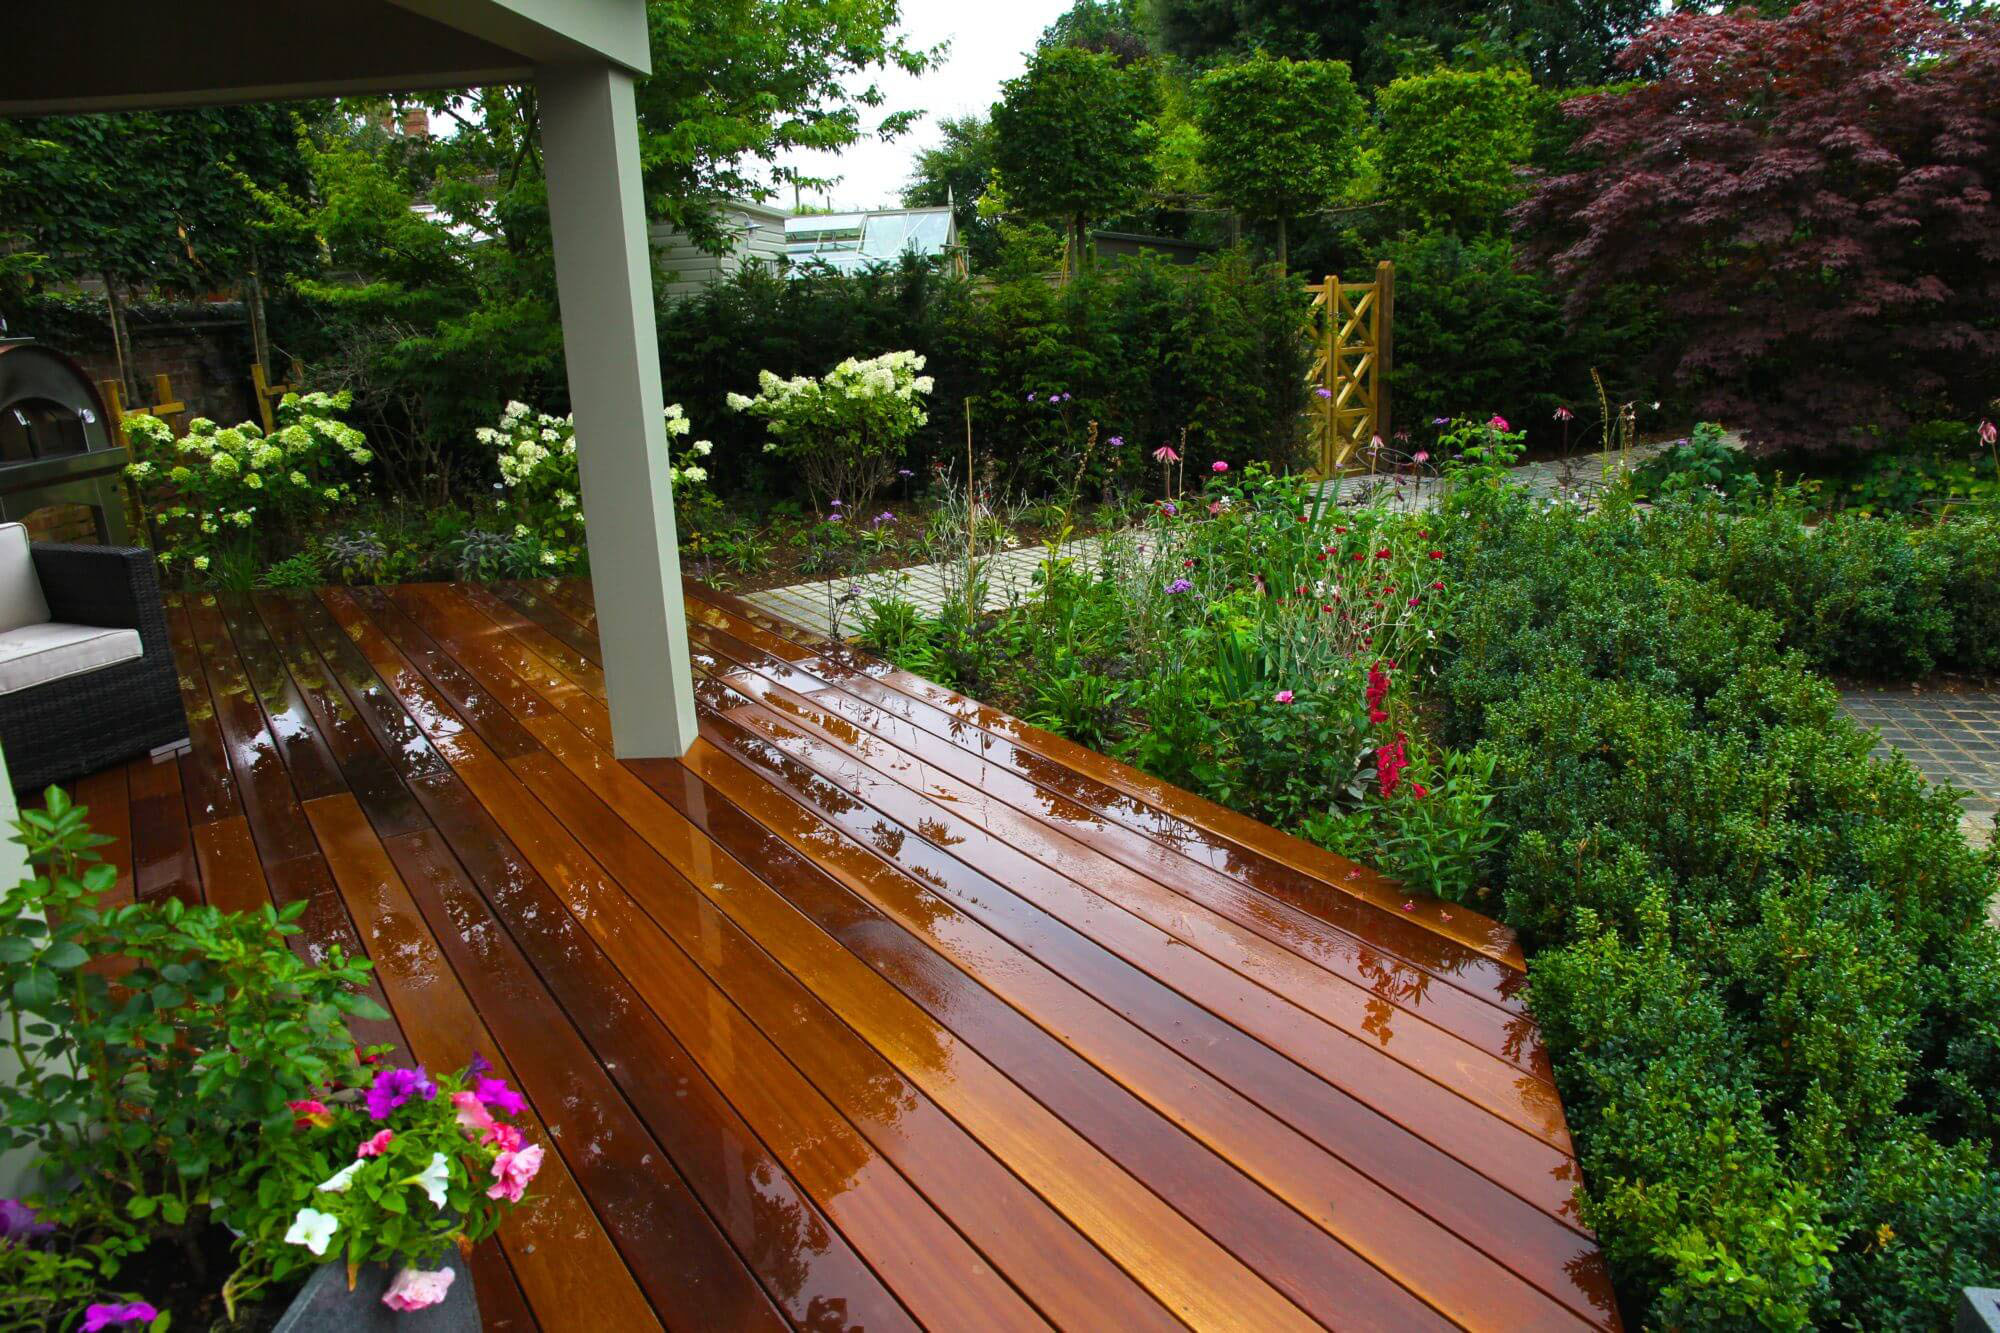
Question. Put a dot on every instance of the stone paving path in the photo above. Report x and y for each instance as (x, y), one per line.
(1578, 475)
(1010, 578)
(1952, 735)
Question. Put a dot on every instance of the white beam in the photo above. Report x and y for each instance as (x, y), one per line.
(604, 276)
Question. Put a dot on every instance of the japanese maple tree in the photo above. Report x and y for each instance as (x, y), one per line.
(1812, 196)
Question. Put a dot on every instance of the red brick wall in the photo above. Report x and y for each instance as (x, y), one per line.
(204, 352)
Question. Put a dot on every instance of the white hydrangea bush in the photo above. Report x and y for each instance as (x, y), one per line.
(538, 493)
(845, 430)
(234, 487)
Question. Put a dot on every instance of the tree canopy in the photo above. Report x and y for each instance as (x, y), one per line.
(957, 172)
(1278, 136)
(1069, 138)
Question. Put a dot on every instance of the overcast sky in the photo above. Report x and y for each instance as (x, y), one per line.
(989, 40)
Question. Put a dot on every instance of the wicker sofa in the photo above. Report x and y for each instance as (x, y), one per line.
(87, 678)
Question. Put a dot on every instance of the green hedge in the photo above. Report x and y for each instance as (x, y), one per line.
(1760, 958)
(1144, 348)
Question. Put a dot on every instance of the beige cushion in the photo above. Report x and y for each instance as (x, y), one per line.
(21, 600)
(37, 654)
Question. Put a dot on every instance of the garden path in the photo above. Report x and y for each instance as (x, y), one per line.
(831, 606)
(1951, 733)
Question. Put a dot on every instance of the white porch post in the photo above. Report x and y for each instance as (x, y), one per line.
(604, 276)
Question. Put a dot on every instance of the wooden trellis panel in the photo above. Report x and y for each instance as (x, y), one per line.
(1350, 324)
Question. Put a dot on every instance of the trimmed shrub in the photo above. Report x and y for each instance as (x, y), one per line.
(1761, 958)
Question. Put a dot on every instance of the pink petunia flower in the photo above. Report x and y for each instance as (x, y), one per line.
(1282, 696)
(473, 1117)
(512, 1171)
(417, 1289)
(311, 1112)
(377, 1144)
(504, 1137)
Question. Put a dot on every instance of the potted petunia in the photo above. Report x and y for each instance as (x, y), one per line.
(207, 1135)
(387, 1183)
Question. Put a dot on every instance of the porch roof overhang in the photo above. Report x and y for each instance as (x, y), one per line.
(131, 54)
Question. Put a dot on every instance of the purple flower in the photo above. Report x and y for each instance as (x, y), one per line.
(479, 1065)
(1179, 586)
(833, 504)
(904, 472)
(1323, 392)
(833, 518)
(1118, 442)
(1169, 508)
(1440, 421)
(1031, 398)
(393, 1087)
(17, 1222)
(494, 1093)
(97, 1318)
(884, 517)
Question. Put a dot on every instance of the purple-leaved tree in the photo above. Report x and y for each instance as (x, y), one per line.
(1813, 198)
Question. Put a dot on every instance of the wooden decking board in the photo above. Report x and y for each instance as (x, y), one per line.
(580, 1272)
(1077, 841)
(109, 797)
(805, 1264)
(879, 1010)
(1330, 875)
(880, 711)
(207, 780)
(1257, 1228)
(1468, 1204)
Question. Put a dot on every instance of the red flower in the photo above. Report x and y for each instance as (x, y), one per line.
(1390, 761)
(1382, 554)
(1419, 790)
(1437, 555)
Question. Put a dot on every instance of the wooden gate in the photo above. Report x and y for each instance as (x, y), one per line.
(1350, 324)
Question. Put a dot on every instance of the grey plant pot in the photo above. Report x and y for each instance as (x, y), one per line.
(325, 1305)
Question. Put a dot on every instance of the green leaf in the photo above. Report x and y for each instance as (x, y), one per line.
(65, 956)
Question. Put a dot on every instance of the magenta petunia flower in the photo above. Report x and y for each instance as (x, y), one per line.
(97, 1318)
(1218, 466)
(496, 1095)
(393, 1087)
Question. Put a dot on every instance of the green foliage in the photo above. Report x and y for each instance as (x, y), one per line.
(152, 1100)
(1705, 460)
(173, 199)
(1068, 138)
(1278, 136)
(1762, 961)
(1476, 332)
(1145, 349)
(1438, 834)
(957, 171)
(1452, 141)
(1970, 542)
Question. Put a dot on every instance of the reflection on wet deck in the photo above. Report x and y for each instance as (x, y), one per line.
(879, 1008)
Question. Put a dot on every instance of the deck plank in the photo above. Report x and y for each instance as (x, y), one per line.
(878, 1009)
(1330, 873)
(561, 1254)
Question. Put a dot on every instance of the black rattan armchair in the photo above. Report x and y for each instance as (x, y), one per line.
(80, 724)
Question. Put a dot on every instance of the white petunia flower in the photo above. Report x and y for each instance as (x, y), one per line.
(434, 1178)
(314, 1229)
(338, 1182)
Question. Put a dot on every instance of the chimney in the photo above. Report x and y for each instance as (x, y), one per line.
(417, 122)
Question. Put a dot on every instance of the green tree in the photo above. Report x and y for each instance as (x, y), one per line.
(1278, 136)
(1112, 26)
(956, 172)
(1451, 145)
(738, 84)
(1069, 139)
(166, 202)
(1377, 38)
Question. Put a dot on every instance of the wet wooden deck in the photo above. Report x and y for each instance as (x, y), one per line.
(879, 1009)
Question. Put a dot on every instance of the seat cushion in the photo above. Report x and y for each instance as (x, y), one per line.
(21, 600)
(33, 655)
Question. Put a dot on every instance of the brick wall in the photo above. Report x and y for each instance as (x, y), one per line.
(203, 349)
